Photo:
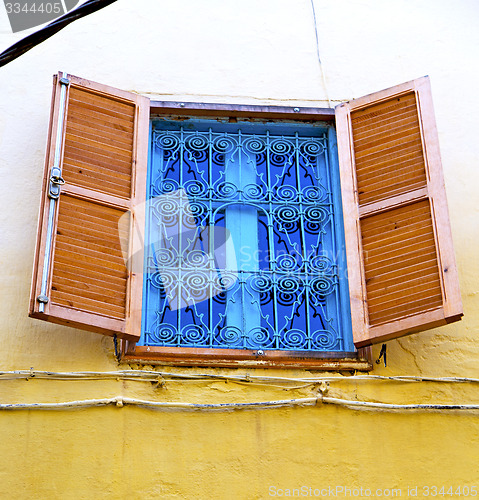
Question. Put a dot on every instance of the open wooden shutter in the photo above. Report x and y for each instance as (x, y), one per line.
(401, 266)
(97, 144)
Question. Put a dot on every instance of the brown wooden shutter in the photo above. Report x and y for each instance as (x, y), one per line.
(102, 147)
(401, 266)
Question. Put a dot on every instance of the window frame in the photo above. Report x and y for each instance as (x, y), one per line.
(225, 357)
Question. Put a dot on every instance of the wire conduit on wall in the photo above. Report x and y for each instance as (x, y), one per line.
(152, 376)
(279, 382)
(121, 401)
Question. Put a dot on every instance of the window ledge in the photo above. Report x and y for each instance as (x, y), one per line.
(178, 356)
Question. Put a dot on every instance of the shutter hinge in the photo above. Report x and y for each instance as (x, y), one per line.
(55, 181)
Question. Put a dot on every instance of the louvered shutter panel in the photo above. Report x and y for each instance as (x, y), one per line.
(100, 135)
(401, 266)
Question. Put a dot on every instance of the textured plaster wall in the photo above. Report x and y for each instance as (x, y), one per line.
(259, 52)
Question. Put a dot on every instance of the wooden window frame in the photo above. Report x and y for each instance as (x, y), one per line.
(77, 309)
(187, 356)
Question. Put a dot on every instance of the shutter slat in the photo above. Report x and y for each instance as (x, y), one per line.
(90, 291)
(82, 176)
(82, 303)
(111, 256)
(96, 144)
(107, 234)
(103, 174)
(403, 273)
(382, 269)
(400, 122)
(399, 215)
(385, 143)
(402, 311)
(398, 238)
(74, 228)
(93, 212)
(399, 226)
(406, 294)
(99, 245)
(400, 160)
(398, 250)
(101, 111)
(80, 101)
(105, 143)
(103, 128)
(106, 265)
(420, 233)
(387, 150)
(97, 156)
(97, 135)
(395, 189)
(111, 107)
(406, 281)
(389, 159)
(74, 273)
(385, 109)
(377, 175)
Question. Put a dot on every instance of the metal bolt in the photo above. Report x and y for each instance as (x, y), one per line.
(296, 110)
(260, 352)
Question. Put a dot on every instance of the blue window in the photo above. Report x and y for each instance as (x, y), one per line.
(245, 242)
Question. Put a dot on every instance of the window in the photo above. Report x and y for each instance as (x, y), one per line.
(401, 271)
(265, 198)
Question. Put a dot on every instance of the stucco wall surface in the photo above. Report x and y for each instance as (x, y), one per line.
(245, 52)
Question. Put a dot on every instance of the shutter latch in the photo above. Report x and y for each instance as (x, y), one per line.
(56, 180)
(43, 299)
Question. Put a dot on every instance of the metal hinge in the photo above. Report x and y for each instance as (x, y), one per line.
(56, 180)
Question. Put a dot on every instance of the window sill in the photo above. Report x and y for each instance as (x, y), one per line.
(178, 356)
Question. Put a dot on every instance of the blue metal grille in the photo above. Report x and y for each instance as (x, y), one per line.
(258, 261)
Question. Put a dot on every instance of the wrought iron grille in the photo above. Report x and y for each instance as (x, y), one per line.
(251, 254)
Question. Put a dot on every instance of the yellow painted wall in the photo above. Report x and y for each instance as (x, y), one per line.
(247, 52)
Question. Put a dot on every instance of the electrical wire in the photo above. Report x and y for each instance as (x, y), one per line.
(121, 401)
(321, 67)
(285, 383)
(389, 406)
(29, 42)
(155, 376)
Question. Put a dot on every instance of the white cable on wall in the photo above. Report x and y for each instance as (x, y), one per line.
(284, 383)
(155, 376)
(121, 401)
(321, 67)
